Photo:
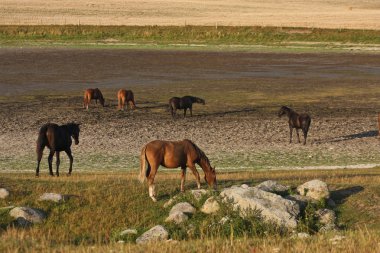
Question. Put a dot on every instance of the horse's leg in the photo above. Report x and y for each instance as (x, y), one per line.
(191, 111)
(50, 161)
(183, 178)
(291, 133)
(196, 174)
(57, 162)
(40, 150)
(184, 112)
(304, 136)
(298, 135)
(152, 174)
(68, 152)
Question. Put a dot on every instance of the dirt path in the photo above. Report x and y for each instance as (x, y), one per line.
(238, 127)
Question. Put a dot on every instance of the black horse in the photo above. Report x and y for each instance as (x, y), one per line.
(57, 139)
(184, 103)
(297, 121)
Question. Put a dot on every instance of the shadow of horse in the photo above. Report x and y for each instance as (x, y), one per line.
(366, 134)
(340, 196)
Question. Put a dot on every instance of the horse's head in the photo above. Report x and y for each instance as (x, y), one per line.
(283, 110)
(75, 132)
(201, 101)
(102, 100)
(210, 177)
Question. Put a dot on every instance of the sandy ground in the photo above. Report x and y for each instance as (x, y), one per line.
(237, 128)
(296, 13)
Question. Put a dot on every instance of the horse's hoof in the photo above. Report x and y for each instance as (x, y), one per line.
(37, 175)
(68, 174)
(154, 199)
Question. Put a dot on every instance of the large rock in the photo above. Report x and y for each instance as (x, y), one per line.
(26, 216)
(302, 201)
(273, 207)
(55, 197)
(183, 207)
(210, 206)
(273, 186)
(128, 232)
(315, 189)
(177, 217)
(4, 193)
(157, 233)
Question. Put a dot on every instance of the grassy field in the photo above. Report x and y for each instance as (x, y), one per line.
(196, 37)
(104, 204)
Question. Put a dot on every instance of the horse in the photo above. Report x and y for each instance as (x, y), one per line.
(125, 96)
(297, 121)
(92, 94)
(184, 103)
(56, 138)
(174, 154)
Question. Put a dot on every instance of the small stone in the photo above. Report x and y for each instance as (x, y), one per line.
(301, 236)
(210, 206)
(177, 217)
(157, 233)
(183, 207)
(26, 215)
(326, 216)
(172, 241)
(121, 241)
(55, 197)
(128, 232)
(244, 186)
(328, 228)
(4, 193)
(224, 220)
(198, 193)
(336, 239)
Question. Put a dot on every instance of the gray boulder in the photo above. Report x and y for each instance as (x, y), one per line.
(183, 207)
(273, 186)
(326, 216)
(26, 216)
(315, 189)
(55, 197)
(177, 217)
(128, 232)
(157, 233)
(198, 193)
(302, 201)
(4, 193)
(273, 207)
(210, 206)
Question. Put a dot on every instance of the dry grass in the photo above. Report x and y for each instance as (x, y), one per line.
(107, 203)
(294, 13)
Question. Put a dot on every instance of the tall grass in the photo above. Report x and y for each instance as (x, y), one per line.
(185, 34)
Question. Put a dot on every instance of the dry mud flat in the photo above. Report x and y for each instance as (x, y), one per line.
(238, 127)
(358, 14)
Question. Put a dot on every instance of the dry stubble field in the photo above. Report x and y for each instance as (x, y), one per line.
(294, 13)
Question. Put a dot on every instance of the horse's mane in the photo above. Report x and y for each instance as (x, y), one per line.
(200, 153)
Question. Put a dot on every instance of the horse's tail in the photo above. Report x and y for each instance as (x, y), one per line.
(171, 107)
(42, 139)
(308, 123)
(143, 160)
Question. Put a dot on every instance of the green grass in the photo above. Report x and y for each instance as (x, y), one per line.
(177, 36)
(105, 204)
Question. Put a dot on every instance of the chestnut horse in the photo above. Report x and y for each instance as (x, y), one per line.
(174, 154)
(92, 94)
(57, 139)
(184, 103)
(297, 121)
(125, 96)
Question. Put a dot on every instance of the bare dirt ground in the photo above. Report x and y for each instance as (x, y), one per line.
(295, 13)
(237, 128)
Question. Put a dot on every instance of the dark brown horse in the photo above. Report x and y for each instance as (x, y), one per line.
(297, 121)
(57, 139)
(125, 96)
(90, 94)
(184, 103)
(174, 154)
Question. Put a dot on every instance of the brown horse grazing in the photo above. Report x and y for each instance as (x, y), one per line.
(174, 154)
(297, 121)
(92, 94)
(125, 96)
(57, 139)
(184, 103)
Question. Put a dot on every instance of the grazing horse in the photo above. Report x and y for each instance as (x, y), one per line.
(174, 154)
(125, 96)
(92, 94)
(297, 121)
(57, 139)
(184, 103)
